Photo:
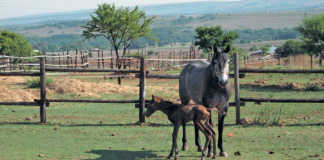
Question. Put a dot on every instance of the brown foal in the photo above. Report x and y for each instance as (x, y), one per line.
(179, 115)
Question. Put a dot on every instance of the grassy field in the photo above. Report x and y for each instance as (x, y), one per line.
(110, 131)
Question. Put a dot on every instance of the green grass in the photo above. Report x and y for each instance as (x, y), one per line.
(35, 83)
(110, 131)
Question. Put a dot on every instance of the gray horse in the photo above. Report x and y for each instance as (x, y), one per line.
(207, 84)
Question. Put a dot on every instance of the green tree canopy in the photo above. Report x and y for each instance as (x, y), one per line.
(12, 44)
(266, 48)
(214, 38)
(312, 30)
(290, 47)
(120, 26)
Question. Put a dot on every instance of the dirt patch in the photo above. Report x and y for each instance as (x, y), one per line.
(90, 89)
(318, 81)
(17, 95)
(13, 80)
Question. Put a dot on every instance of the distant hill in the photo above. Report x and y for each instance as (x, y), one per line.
(189, 8)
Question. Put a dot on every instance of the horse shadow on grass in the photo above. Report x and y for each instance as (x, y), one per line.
(272, 88)
(150, 124)
(124, 154)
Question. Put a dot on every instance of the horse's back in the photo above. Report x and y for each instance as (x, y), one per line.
(191, 82)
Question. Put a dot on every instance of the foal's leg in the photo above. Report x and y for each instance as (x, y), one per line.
(210, 154)
(174, 141)
(197, 139)
(214, 139)
(221, 118)
(184, 138)
(184, 101)
(208, 138)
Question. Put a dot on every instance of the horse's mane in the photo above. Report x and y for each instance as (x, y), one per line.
(170, 105)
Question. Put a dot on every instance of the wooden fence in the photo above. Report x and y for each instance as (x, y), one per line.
(142, 74)
(268, 100)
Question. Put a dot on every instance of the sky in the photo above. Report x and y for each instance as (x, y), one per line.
(16, 8)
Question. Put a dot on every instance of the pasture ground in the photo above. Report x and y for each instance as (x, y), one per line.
(110, 131)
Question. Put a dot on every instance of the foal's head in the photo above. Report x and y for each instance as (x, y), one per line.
(220, 66)
(154, 105)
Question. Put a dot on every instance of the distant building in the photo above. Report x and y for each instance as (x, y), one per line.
(272, 51)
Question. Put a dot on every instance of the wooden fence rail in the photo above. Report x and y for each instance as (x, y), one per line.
(19, 74)
(259, 100)
(142, 74)
(91, 101)
(90, 70)
(279, 71)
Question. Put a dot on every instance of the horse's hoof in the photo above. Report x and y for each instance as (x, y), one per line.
(213, 157)
(223, 154)
(210, 155)
(199, 149)
(202, 158)
(185, 148)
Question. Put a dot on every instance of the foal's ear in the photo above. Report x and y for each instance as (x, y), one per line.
(157, 99)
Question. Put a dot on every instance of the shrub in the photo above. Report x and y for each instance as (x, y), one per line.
(312, 87)
(35, 83)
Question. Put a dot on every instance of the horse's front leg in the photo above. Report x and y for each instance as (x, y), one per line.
(184, 138)
(174, 147)
(221, 117)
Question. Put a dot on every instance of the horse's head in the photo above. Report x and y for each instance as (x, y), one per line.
(153, 106)
(220, 66)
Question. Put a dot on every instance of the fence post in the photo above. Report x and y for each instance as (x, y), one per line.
(237, 88)
(42, 91)
(142, 91)
(311, 62)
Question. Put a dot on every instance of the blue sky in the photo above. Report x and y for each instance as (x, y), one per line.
(15, 8)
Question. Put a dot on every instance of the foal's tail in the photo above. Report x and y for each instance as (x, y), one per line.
(212, 109)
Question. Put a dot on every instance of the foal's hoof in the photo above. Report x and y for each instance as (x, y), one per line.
(223, 154)
(199, 149)
(184, 147)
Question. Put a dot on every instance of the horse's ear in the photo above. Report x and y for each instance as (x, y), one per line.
(227, 48)
(216, 54)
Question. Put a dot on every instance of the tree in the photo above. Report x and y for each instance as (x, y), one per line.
(312, 30)
(120, 26)
(214, 38)
(265, 49)
(253, 48)
(12, 44)
(290, 47)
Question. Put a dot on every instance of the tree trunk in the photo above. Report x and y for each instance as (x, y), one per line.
(320, 59)
(118, 65)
